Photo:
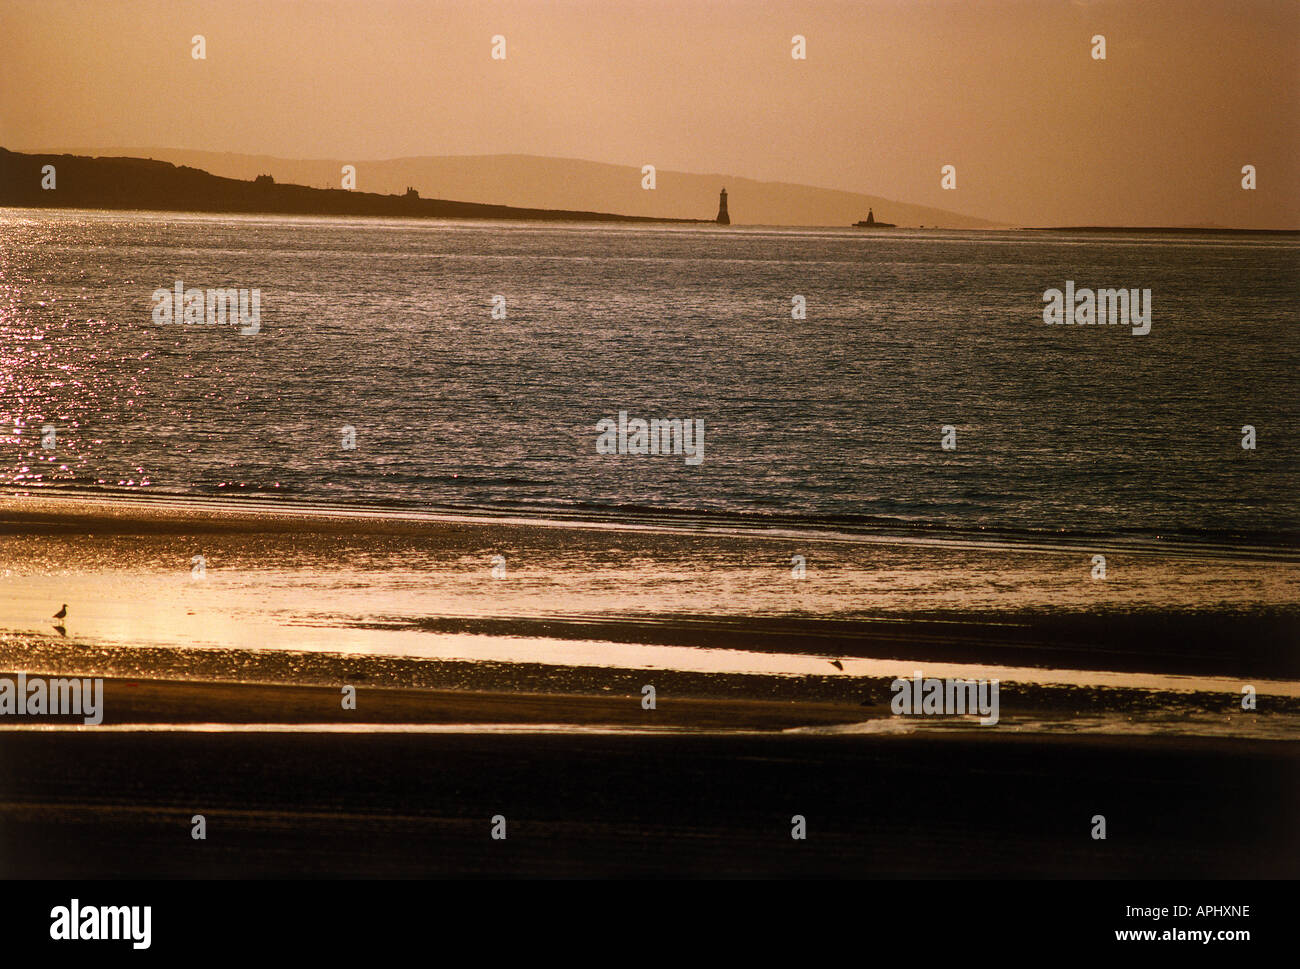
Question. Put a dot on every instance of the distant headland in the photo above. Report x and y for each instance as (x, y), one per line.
(1186, 229)
(82, 182)
(570, 184)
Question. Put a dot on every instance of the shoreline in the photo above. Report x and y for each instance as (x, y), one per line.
(26, 507)
(306, 581)
(1182, 230)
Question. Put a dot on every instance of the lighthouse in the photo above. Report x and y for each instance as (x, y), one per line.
(723, 218)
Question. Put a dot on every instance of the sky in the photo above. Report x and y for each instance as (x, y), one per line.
(1039, 132)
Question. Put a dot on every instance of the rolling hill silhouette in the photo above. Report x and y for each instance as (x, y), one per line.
(140, 183)
(529, 181)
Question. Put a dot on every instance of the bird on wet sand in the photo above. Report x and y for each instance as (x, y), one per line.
(837, 664)
(62, 613)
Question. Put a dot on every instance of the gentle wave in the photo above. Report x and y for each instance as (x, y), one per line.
(1273, 545)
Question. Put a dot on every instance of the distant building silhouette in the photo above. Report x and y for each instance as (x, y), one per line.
(411, 193)
(264, 180)
(870, 222)
(723, 218)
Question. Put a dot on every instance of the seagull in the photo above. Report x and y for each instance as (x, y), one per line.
(62, 612)
(837, 664)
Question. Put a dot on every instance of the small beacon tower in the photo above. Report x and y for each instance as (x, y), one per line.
(723, 218)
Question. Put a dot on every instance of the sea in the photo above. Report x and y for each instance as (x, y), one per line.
(859, 379)
(884, 429)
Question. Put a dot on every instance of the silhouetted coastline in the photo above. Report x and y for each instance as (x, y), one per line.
(140, 183)
(1186, 229)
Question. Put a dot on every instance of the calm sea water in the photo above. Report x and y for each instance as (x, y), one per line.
(387, 327)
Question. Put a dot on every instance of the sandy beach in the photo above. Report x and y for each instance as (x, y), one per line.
(471, 701)
(303, 802)
(301, 576)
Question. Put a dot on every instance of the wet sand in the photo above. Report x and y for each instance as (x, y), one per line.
(589, 781)
(295, 577)
(148, 702)
(407, 785)
(379, 805)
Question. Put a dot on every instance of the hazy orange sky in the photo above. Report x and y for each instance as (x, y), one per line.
(1040, 133)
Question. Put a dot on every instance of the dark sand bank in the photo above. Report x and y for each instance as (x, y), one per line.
(303, 804)
(292, 785)
(1186, 644)
(179, 685)
(143, 701)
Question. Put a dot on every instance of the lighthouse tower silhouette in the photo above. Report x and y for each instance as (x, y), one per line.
(723, 218)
